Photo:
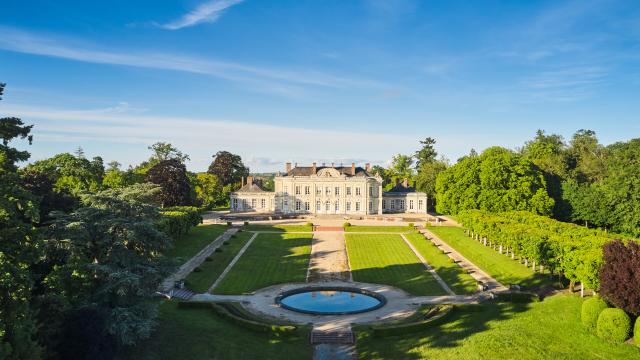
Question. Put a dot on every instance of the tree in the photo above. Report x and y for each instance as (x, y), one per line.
(620, 275)
(401, 166)
(497, 180)
(208, 190)
(426, 179)
(588, 155)
(19, 247)
(110, 266)
(70, 173)
(165, 151)
(228, 168)
(171, 175)
(427, 153)
(42, 188)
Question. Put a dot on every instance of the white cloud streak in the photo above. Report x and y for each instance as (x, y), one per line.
(278, 81)
(208, 12)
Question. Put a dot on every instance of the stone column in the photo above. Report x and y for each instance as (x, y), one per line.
(380, 199)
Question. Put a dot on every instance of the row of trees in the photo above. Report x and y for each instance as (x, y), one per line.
(81, 246)
(540, 242)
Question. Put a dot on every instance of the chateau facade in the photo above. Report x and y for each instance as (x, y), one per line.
(327, 190)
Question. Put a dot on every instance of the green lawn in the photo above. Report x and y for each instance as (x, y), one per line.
(211, 270)
(271, 259)
(386, 259)
(457, 279)
(278, 228)
(200, 334)
(389, 229)
(190, 244)
(546, 330)
(501, 267)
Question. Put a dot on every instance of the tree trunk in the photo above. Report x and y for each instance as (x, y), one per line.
(513, 255)
(534, 266)
(501, 249)
(485, 241)
(526, 262)
(581, 289)
(572, 285)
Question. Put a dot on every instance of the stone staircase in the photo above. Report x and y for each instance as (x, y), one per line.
(343, 337)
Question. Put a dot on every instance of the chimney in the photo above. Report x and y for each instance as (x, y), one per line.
(313, 168)
(288, 167)
(249, 180)
(332, 164)
(367, 167)
(295, 165)
(324, 164)
(353, 168)
(405, 183)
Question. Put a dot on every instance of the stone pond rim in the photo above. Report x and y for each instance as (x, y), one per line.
(381, 300)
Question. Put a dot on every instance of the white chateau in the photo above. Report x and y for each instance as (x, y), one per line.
(327, 190)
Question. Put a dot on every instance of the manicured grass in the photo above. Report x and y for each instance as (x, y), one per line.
(271, 259)
(190, 244)
(457, 279)
(278, 228)
(388, 229)
(386, 259)
(211, 270)
(200, 334)
(501, 267)
(550, 329)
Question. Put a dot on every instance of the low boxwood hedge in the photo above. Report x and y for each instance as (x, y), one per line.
(435, 318)
(591, 309)
(518, 297)
(614, 325)
(636, 331)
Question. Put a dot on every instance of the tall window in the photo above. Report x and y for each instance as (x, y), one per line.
(327, 191)
(297, 205)
(410, 204)
(384, 204)
(263, 203)
(318, 191)
(235, 203)
(348, 206)
(336, 191)
(371, 191)
(337, 207)
(348, 190)
(357, 205)
(285, 190)
(244, 203)
(297, 190)
(327, 206)
(370, 206)
(307, 190)
(401, 205)
(393, 204)
(419, 204)
(317, 205)
(357, 191)
(307, 206)
(253, 203)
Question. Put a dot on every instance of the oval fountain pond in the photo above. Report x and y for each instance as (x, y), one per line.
(330, 300)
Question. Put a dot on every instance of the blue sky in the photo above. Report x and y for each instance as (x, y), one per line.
(303, 81)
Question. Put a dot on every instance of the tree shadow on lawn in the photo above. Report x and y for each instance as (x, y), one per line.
(450, 332)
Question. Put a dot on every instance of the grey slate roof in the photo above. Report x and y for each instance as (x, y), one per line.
(308, 170)
(400, 188)
(252, 188)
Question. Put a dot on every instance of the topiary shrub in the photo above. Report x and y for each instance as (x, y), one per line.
(410, 225)
(225, 243)
(208, 258)
(246, 223)
(636, 331)
(452, 260)
(229, 223)
(591, 309)
(310, 224)
(346, 224)
(197, 269)
(218, 250)
(614, 325)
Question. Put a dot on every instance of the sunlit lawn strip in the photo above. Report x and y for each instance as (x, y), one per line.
(382, 229)
(386, 259)
(271, 259)
(499, 266)
(200, 334)
(190, 244)
(200, 281)
(550, 329)
(278, 228)
(457, 279)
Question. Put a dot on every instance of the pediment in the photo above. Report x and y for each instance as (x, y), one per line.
(328, 172)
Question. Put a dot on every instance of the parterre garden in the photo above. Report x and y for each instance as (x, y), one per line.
(495, 329)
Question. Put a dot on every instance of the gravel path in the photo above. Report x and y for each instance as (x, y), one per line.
(328, 259)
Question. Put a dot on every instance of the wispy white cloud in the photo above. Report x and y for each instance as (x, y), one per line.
(272, 80)
(207, 12)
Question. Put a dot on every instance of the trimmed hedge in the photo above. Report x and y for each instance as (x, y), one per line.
(234, 313)
(636, 331)
(178, 220)
(614, 325)
(346, 224)
(438, 315)
(591, 309)
(518, 297)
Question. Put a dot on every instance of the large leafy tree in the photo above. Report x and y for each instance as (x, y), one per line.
(497, 180)
(110, 264)
(172, 177)
(620, 275)
(71, 173)
(208, 190)
(426, 179)
(19, 247)
(228, 168)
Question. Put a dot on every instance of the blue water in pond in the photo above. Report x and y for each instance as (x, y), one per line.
(330, 301)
